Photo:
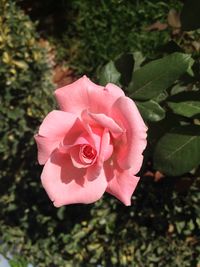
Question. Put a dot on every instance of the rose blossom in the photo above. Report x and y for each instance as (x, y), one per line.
(92, 145)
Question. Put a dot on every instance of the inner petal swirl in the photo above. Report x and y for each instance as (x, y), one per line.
(83, 156)
(87, 153)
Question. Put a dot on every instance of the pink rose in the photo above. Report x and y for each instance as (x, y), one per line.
(92, 145)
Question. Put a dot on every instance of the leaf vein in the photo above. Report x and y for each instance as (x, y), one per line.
(179, 148)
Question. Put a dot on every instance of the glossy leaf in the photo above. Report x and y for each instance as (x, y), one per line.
(178, 151)
(161, 97)
(153, 78)
(109, 74)
(185, 108)
(138, 59)
(185, 103)
(150, 110)
(178, 88)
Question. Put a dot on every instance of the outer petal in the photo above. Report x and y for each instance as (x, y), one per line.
(68, 185)
(114, 90)
(126, 114)
(56, 124)
(51, 132)
(45, 147)
(84, 94)
(121, 184)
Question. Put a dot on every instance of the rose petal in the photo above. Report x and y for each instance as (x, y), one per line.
(106, 150)
(114, 90)
(126, 114)
(84, 94)
(76, 158)
(45, 147)
(103, 121)
(51, 132)
(56, 124)
(74, 97)
(68, 185)
(79, 134)
(121, 184)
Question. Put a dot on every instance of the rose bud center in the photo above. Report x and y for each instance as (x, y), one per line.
(88, 152)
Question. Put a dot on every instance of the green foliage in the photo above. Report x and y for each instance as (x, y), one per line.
(26, 96)
(24, 78)
(100, 31)
(151, 110)
(20, 262)
(26, 90)
(139, 235)
(124, 31)
(177, 152)
(109, 73)
(153, 78)
(186, 104)
(160, 229)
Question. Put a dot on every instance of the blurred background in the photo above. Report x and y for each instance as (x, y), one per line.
(47, 44)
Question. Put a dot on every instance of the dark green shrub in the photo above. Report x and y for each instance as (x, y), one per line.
(26, 90)
(24, 78)
(89, 33)
(101, 30)
(159, 229)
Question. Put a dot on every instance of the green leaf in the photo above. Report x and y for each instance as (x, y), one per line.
(18, 263)
(109, 74)
(185, 103)
(138, 59)
(178, 151)
(190, 19)
(178, 88)
(186, 108)
(21, 64)
(153, 78)
(161, 97)
(61, 213)
(150, 110)
(180, 226)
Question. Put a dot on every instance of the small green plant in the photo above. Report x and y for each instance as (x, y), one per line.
(18, 262)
